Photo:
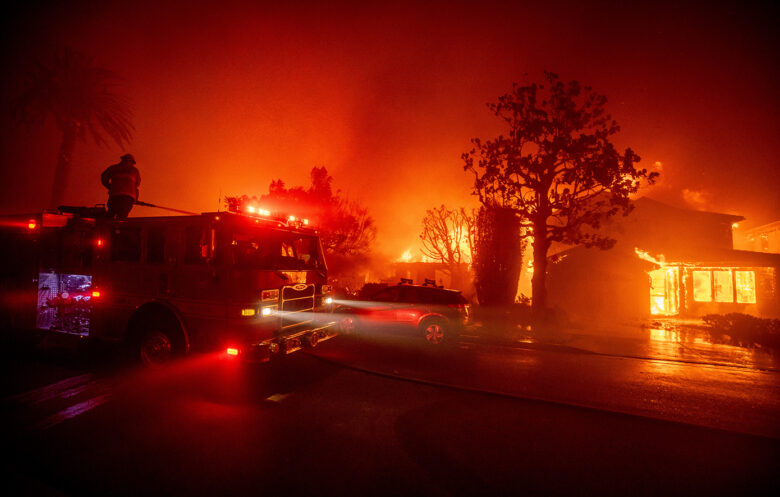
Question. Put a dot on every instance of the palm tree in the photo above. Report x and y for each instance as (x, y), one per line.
(76, 94)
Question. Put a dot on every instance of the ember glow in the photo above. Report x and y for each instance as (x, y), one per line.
(406, 256)
(412, 255)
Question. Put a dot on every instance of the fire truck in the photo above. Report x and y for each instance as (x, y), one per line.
(245, 282)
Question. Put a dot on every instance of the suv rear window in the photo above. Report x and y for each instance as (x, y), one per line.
(420, 294)
(387, 295)
(450, 297)
(429, 295)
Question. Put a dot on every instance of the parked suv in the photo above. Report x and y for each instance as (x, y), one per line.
(428, 311)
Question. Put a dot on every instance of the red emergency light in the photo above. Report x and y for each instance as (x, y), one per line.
(96, 293)
(232, 351)
(255, 210)
(32, 224)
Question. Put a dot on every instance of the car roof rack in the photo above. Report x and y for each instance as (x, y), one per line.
(406, 281)
(430, 282)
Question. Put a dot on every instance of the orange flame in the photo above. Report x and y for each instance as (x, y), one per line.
(406, 256)
(645, 255)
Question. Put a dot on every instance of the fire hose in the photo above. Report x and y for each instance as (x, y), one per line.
(147, 204)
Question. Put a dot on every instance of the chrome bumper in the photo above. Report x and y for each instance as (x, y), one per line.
(268, 349)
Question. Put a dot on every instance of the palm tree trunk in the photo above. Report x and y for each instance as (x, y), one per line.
(64, 162)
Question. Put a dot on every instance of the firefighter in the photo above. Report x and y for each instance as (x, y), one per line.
(122, 181)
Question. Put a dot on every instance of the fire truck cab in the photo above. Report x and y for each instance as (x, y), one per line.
(251, 286)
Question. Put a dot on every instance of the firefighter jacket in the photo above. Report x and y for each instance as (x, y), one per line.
(121, 179)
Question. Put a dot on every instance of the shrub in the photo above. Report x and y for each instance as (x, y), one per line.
(744, 330)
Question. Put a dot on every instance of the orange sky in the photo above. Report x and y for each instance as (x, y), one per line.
(230, 95)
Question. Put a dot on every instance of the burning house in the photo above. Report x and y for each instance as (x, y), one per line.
(667, 262)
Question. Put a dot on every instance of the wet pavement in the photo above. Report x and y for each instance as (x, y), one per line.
(369, 414)
(208, 426)
(633, 375)
(660, 372)
(670, 340)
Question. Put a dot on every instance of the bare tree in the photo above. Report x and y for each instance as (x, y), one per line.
(447, 235)
(448, 238)
(557, 168)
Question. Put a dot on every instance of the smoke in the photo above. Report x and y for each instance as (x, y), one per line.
(697, 199)
(229, 96)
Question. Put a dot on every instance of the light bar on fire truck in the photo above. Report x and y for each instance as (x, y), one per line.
(256, 211)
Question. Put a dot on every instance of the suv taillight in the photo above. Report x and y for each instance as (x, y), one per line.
(463, 308)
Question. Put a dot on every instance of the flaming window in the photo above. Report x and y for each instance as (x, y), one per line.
(672, 284)
(718, 285)
(702, 286)
(664, 291)
(746, 287)
(722, 286)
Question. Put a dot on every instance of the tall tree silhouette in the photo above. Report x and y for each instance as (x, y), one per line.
(556, 168)
(498, 255)
(70, 89)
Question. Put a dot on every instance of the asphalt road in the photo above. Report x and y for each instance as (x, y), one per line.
(733, 398)
(367, 417)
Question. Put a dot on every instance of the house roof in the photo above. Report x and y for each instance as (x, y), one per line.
(686, 239)
(650, 204)
(709, 257)
(722, 257)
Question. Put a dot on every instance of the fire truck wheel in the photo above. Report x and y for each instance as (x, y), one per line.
(435, 331)
(156, 348)
(155, 336)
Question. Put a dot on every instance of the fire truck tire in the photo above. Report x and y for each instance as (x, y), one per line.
(436, 332)
(158, 340)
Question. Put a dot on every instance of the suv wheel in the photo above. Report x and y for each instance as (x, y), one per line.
(435, 331)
